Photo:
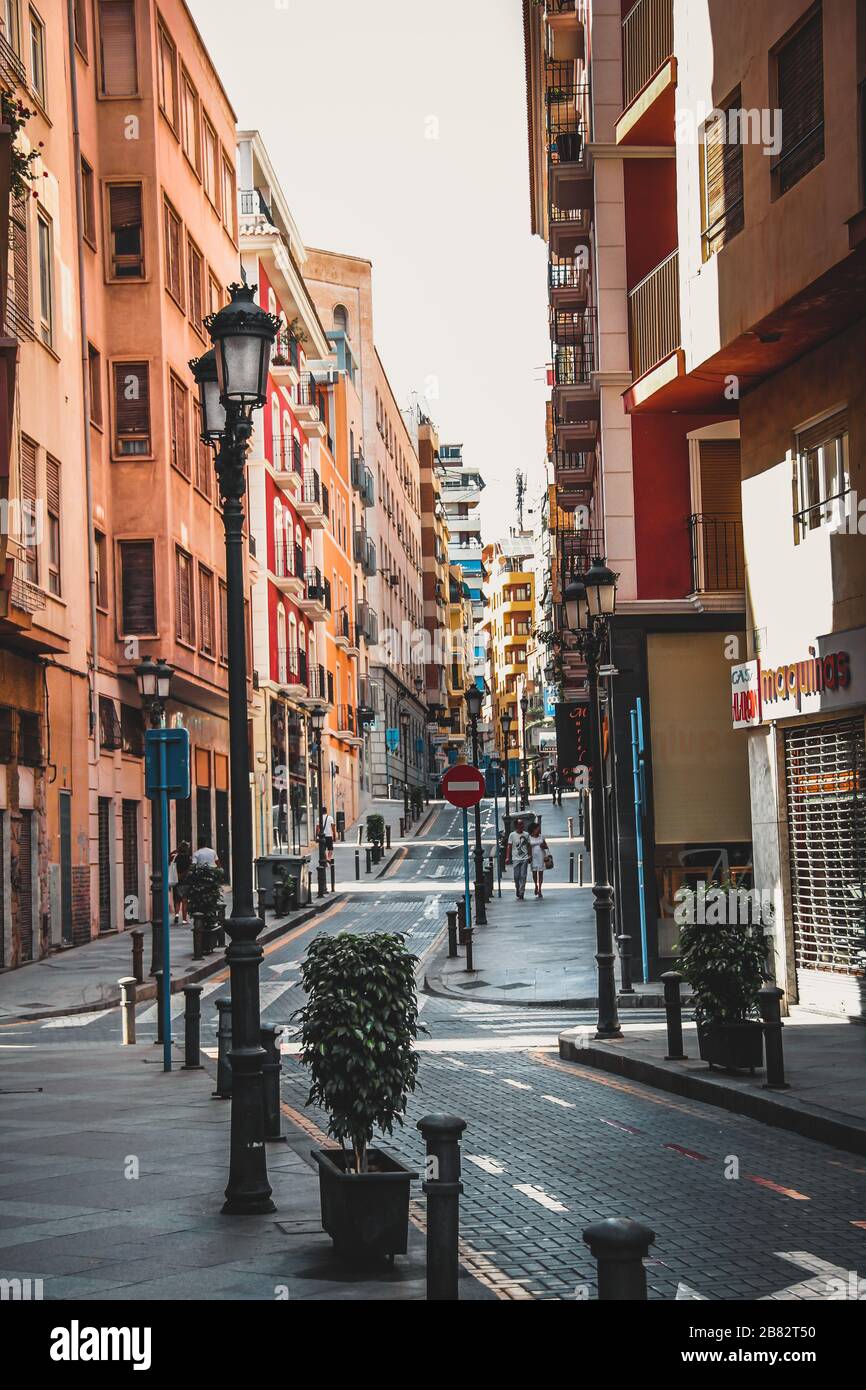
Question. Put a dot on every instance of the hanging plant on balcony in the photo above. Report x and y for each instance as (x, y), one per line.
(297, 331)
(15, 114)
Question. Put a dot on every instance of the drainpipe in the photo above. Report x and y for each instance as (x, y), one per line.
(85, 378)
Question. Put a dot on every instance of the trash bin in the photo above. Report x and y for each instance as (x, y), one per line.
(341, 825)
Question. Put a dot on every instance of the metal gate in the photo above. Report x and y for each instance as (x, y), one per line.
(25, 886)
(825, 773)
(65, 804)
(131, 910)
(104, 813)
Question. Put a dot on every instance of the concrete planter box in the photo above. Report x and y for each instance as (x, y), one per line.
(732, 1046)
(365, 1214)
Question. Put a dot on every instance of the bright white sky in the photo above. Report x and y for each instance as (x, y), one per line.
(345, 94)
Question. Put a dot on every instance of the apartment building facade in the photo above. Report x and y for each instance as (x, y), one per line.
(509, 621)
(120, 279)
(386, 538)
(652, 482)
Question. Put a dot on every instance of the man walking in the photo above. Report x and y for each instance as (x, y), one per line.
(518, 856)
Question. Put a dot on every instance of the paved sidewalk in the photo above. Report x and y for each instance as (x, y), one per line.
(825, 1062)
(112, 1182)
(84, 978)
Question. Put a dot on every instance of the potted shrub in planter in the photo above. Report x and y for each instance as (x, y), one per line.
(725, 963)
(204, 899)
(376, 835)
(357, 1029)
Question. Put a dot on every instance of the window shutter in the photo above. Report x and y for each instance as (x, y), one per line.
(132, 406)
(125, 205)
(138, 600)
(720, 477)
(117, 47)
(52, 485)
(723, 179)
(179, 441)
(183, 597)
(205, 582)
(801, 100)
(28, 470)
(823, 432)
(18, 304)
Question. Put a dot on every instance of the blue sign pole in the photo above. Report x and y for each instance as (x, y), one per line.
(496, 814)
(466, 867)
(166, 910)
(637, 751)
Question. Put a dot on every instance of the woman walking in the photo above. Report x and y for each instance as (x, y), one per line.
(539, 855)
(178, 876)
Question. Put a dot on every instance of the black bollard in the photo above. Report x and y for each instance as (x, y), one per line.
(620, 1246)
(388, 836)
(462, 924)
(157, 974)
(580, 872)
(488, 879)
(402, 828)
(357, 863)
(198, 937)
(442, 1187)
(369, 859)
(270, 1038)
(770, 1003)
(674, 1013)
(224, 1045)
(571, 867)
(625, 963)
(470, 966)
(332, 867)
(451, 915)
(138, 955)
(192, 1028)
(261, 902)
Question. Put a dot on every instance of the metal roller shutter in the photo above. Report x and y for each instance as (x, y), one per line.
(825, 774)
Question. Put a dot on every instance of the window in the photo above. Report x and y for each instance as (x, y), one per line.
(88, 203)
(207, 635)
(800, 98)
(79, 19)
(179, 423)
(94, 372)
(184, 615)
(196, 286)
(29, 738)
(189, 121)
(27, 495)
(11, 28)
(166, 76)
(118, 61)
(203, 459)
(101, 548)
(46, 279)
(132, 731)
(821, 478)
(228, 197)
(173, 243)
(52, 507)
(721, 156)
(210, 160)
(37, 56)
(137, 594)
(224, 623)
(214, 296)
(131, 408)
(127, 238)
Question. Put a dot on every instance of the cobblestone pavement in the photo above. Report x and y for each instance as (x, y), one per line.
(740, 1210)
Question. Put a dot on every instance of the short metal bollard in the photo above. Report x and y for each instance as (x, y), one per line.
(571, 867)
(192, 1028)
(619, 1247)
(127, 1009)
(157, 975)
(357, 863)
(624, 943)
(461, 920)
(580, 872)
(138, 955)
(770, 1003)
(470, 965)
(332, 868)
(571, 827)
(270, 1037)
(369, 860)
(442, 1187)
(198, 934)
(402, 828)
(261, 903)
(488, 879)
(451, 916)
(387, 837)
(672, 979)
(224, 1046)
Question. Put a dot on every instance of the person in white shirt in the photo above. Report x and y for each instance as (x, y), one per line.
(327, 823)
(206, 856)
(517, 855)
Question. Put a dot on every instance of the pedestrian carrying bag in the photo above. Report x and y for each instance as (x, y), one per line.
(548, 860)
(172, 874)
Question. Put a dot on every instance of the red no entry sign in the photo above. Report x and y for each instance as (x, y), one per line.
(463, 785)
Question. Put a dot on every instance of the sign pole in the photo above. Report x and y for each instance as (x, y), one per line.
(466, 866)
(496, 813)
(166, 910)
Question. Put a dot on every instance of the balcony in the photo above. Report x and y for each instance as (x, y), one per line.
(717, 554)
(292, 670)
(345, 633)
(319, 686)
(288, 581)
(649, 74)
(570, 230)
(363, 481)
(309, 501)
(568, 283)
(252, 204)
(307, 407)
(348, 728)
(364, 551)
(573, 346)
(316, 598)
(654, 323)
(569, 166)
(285, 358)
(565, 33)
(576, 551)
(288, 464)
(367, 623)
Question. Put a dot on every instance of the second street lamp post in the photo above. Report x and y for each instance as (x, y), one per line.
(589, 604)
(232, 380)
(524, 793)
(473, 704)
(404, 739)
(317, 720)
(506, 721)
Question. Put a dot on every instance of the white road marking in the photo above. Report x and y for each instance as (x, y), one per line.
(686, 1293)
(554, 1100)
(539, 1195)
(518, 1085)
(828, 1281)
(76, 1020)
(282, 969)
(487, 1165)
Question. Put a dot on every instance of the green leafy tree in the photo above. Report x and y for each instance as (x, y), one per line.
(376, 829)
(725, 964)
(357, 1031)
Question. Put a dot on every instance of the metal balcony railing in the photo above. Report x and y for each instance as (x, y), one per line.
(288, 456)
(252, 203)
(654, 314)
(573, 348)
(346, 629)
(565, 275)
(576, 551)
(286, 352)
(367, 623)
(717, 554)
(565, 461)
(647, 43)
(307, 390)
(312, 488)
(346, 719)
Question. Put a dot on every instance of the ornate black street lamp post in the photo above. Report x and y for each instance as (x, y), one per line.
(589, 605)
(404, 739)
(317, 722)
(154, 686)
(232, 380)
(524, 795)
(506, 721)
(474, 699)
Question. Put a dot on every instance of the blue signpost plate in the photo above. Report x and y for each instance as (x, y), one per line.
(176, 742)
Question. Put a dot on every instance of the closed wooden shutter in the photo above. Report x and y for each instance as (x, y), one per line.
(179, 430)
(131, 906)
(29, 493)
(117, 48)
(822, 433)
(132, 408)
(196, 287)
(18, 299)
(720, 477)
(138, 599)
(723, 180)
(173, 270)
(205, 604)
(184, 623)
(52, 485)
(800, 70)
(28, 470)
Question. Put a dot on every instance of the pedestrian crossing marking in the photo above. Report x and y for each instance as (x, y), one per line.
(539, 1195)
(518, 1085)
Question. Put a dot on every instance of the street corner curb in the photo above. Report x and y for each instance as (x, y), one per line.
(422, 826)
(781, 1111)
(400, 849)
